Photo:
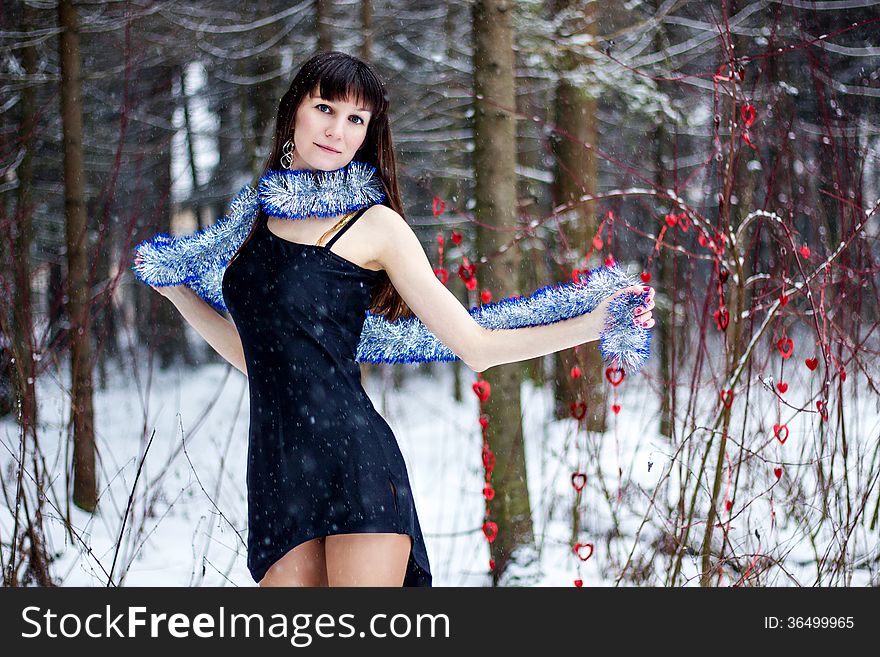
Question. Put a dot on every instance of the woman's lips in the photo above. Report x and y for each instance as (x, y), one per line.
(329, 150)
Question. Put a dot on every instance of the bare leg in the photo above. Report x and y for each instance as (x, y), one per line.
(367, 559)
(304, 565)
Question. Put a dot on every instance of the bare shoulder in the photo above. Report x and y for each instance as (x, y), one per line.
(393, 238)
(388, 231)
(380, 216)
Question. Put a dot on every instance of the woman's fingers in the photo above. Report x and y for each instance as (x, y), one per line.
(642, 315)
(644, 310)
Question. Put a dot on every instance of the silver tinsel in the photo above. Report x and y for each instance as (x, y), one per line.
(621, 342)
(302, 193)
(199, 260)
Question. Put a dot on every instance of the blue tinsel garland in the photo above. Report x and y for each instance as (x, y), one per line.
(199, 260)
(621, 342)
(300, 194)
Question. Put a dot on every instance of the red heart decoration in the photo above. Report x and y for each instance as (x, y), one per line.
(456, 237)
(488, 459)
(484, 421)
(702, 239)
(785, 346)
(645, 276)
(727, 397)
(728, 505)
(488, 492)
(777, 472)
(485, 296)
(614, 375)
(597, 242)
(579, 583)
(575, 372)
(437, 206)
(823, 410)
(722, 319)
(805, 251)
(442, 274)
(466, 271)
(490, 529)
(482, 389)
(842, 374)
(577, 550)
(491, 564)
(578, 409)
(782, 386)
(783, 299)
(812, 363)
(777, 430)
(671, 219)
(615, 408)
(683, 222)
(748, 113)
(578, 480)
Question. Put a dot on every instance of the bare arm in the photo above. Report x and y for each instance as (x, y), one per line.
(217, 331)
(511, 345)
(500, 346)
(407, 265)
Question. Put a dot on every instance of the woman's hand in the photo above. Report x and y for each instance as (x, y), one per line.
(171, 292)
(641, 315)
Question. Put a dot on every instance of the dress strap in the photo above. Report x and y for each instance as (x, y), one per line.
(347, 225)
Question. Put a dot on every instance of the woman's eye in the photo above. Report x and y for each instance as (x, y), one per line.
(320, 105)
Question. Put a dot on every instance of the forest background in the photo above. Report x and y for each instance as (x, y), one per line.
(726, 152)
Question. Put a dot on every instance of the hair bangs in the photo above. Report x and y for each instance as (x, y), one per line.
(346, 80)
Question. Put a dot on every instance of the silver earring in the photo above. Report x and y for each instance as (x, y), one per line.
(287, 154)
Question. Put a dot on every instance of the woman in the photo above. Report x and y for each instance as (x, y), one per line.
(301, 261)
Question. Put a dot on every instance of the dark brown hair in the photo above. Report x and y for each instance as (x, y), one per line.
(340, 76)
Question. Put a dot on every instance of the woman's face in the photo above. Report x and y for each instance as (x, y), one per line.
(340, 125)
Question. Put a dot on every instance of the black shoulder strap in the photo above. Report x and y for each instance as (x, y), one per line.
(347, 225)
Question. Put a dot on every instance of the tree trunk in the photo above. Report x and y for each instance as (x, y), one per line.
(19, 364)
(495, 191)
(576, 174)
(262, 96)
(664, 270)
(169, 339)
(323, 13)
(85, 491)
(367, 30)
(21, 311)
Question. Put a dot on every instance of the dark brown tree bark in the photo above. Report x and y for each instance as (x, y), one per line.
(577, 174)
(663, 269)
(169, 338)
(324, 12)
(366, 50)
(495, 192)
(85, 490)
(16, 322)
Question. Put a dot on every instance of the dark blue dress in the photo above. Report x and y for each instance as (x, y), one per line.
(321, 460)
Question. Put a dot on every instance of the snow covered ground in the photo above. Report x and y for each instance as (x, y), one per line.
(187, 523)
